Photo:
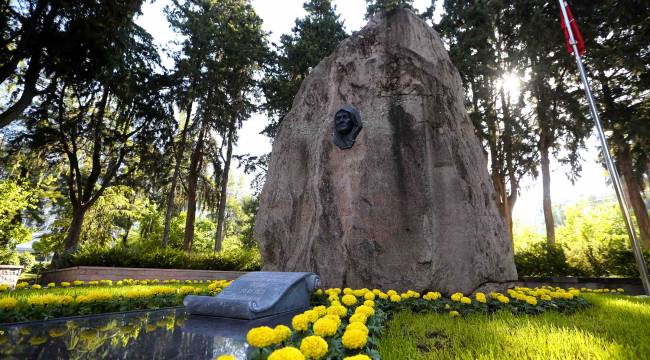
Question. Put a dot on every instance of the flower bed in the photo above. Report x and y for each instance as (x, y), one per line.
(95, 297)
(346, 324)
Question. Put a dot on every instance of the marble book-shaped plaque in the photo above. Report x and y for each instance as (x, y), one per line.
(256, 295)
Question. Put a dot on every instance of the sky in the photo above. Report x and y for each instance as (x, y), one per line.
(279, 17)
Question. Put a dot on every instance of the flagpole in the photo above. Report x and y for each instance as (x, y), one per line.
(636, 247)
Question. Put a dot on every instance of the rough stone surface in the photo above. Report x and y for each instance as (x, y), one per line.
(411, 204)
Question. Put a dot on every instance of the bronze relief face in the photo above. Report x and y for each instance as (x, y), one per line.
(347, 124)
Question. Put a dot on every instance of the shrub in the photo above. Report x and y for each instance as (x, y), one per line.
(27, 260)
(233, 259)
(543, 259)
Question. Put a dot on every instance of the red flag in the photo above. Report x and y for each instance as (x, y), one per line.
(574, 28)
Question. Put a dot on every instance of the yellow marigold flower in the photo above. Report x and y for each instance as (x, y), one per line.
(369, 296)
(391, 292)
(334, 318)
(546, 298)
(413, 294)
(21, 285)
(503, 299)
(51, 285)
(383, 296)
(325, 327)
(4, 287)
(480, 297)
(314, 347)
(7, 303)
(620, 290)
(362, 318)
(261, 337)
(286, 353)
(93, 283)
(531, 300)
(395, 298)
(321, 310)
(358, 357)
(36, 286)
(376, 292)
(404, 296)
(369, 303)
(300, 322)
(282, 333)
(359, 292)
(337, 310)
(454, 313)
(465, 300)
(318, 292)
(354, 339)
(311, 315)
(456, 296)
(347, 291)
(37, 340)
(349, 300)
(357, 326)
(225, 357)
(77, 283)
(366, 310)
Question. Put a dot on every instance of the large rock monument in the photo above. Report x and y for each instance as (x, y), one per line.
(377, 178)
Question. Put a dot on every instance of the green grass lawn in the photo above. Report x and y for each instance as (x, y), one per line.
(615, 327)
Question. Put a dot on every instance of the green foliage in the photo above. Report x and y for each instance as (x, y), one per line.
(16, 199)
(231, 258)
(593, 241)
(313, 37)
(377, 6)
(543, 259)
(27, 260)
(610, 329)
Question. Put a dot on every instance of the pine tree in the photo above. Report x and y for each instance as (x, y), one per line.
(554, 94)
(480, 35)
(617, 34)
(313, 37)
(377, 6)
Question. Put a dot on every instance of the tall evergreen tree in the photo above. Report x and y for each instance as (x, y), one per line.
(96, 121)
(313, 37)
(617, 35)
(553, 92)
(479, 35)
(223, 48)
(377, 6)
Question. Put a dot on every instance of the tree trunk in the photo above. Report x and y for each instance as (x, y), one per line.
(633, 189)
(29, 92)
(224, 191)
(125, 237)
(177, 170)
(192, 180)
(546, 184)
(503, 203)
(71, 241)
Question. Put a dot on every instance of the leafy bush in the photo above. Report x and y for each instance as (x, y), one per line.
(592, 241)
(543, 259)
(27, 260)
(233, 258)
